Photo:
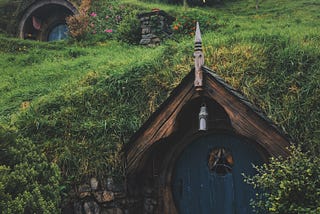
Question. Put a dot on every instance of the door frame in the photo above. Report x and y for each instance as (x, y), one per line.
(166, 202)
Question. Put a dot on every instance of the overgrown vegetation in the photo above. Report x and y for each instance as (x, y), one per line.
(288, 186)
(75, 103)
(78, 24)
(190, 2)
(101, 20)
(28, 182)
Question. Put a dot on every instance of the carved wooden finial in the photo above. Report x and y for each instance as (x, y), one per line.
(198, 58)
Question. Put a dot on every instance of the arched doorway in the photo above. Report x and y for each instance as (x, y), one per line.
(208, 178)
(46, 20)
(58, 32)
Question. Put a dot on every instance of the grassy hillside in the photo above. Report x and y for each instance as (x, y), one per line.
(79, 102)
(33, 69)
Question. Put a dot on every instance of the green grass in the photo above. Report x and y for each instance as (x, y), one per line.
(31, 70)
(83, 100)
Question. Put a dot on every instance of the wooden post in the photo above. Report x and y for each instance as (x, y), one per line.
(198, 59)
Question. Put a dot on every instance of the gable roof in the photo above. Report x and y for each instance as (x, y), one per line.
(246, 119)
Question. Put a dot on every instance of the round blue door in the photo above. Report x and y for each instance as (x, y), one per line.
(58, 32)
(208, 176)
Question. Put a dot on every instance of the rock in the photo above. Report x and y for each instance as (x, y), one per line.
(91, 207)
(148, 192)
(84, 194)
(84, 188)
(145, 30)
(87, 208)
(161, 25)
(77, 208)
(149, 36)
(149, 205)
(155, 24)
(70, 207)
(94, 183)
(106, 196)
(103, 197)
(156, 40)
(144, 18)
(110, 184)
(144, 41)
(112, 211)
(145, 24)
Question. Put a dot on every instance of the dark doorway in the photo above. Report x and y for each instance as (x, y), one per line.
(46, 21)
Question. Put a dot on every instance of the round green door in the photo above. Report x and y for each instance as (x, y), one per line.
(208, 176)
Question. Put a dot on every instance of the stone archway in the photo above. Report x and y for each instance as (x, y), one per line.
(43, 17)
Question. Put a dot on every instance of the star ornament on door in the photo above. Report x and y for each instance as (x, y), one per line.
(220, 161)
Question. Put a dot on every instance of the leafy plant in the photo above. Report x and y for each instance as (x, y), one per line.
(78, 23)
(129, 29)
(106, 22)
(28, 182)
(288, 185)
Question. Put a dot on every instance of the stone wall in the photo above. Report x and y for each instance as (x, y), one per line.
(155, 26)
(94, 197)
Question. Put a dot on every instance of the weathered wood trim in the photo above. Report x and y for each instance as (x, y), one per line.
(162, 126)
(246, 122)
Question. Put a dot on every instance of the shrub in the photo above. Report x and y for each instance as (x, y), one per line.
(28, 183)
(129, 29)
(106, 22)
(100, 21)
(78, 23)
(288, 186)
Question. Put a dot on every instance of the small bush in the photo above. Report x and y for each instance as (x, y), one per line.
(288, 186)
(78, 23)
(105, 23)
(129, 29)
(101, 20)
(28, 182)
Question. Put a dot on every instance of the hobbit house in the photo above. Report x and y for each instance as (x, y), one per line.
(45, 20)
(190, 155)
